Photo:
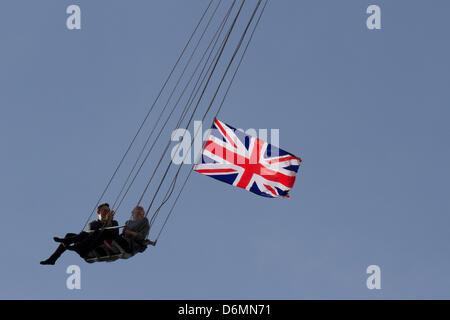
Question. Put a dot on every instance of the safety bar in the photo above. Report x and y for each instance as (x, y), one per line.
(109, 228)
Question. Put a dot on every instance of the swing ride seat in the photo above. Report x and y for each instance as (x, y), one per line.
(112, 254)
(104, 254)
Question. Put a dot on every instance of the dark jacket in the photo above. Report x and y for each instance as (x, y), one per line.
(107, 234)
(142, 228)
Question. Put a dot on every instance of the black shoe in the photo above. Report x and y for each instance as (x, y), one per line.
(47, 262)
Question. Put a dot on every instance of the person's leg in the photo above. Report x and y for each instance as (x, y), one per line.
(58, 252)
(92, 240)
(68, 239)
(71, 238)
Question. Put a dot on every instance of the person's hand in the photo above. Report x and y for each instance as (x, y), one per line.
(131, 233)
(110, 215)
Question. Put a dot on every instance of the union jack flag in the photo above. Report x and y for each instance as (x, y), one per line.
(247, 162)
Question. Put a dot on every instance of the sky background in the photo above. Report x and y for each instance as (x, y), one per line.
(367, 111)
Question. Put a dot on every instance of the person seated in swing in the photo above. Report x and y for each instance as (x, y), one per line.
(83, 242)
(133, 237)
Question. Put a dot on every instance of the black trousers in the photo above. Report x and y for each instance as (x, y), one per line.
(89, 242)
(70, 238)
(82, 243)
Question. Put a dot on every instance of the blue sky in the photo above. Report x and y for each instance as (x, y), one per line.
(366, 110)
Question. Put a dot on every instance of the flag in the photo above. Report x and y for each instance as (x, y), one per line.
(231, 156)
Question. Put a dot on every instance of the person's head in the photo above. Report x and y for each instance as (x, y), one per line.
(102, 211)
(138, 213)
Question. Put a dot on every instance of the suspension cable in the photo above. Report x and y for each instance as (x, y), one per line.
(148, 114)
(167, 103)
(192, 115)
(217, 113)
(199, 100)
(190, 100)
(209, 107)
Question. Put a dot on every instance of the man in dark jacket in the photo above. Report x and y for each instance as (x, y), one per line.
(85, 241)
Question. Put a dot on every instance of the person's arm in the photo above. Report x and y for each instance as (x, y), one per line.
(131, 233)
(143, 231)
(109, 219)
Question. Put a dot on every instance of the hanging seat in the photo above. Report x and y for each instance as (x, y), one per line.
(105, 254)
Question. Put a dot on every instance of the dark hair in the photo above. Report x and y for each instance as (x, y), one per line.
(103, 205)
